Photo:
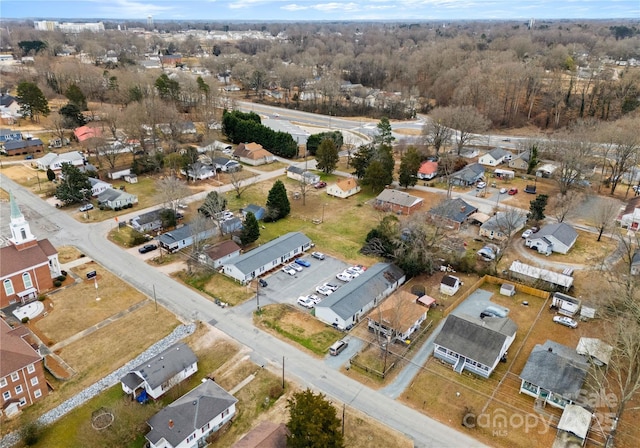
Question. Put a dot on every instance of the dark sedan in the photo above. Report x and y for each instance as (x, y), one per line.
(147, 248)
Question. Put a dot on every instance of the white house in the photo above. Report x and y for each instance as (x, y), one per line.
(546, 170)
(199, 171)
(302, 175)
(353, 300)
(156, 376)
(565, 304)
(183, 237)
(98, 186)
(558, 237)
(260, 260)
(55, 161)
(428, 170)
(344, 188)
(398, 317)
(214, 256)
(113, 198)
(474, 344)
(148, 222)
(192, 418)
(494, 157)
(253, 154)
(450, 285)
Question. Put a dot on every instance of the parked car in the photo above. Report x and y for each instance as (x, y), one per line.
(503, 190)
(358, 268)
(513, 191)
(320, 184)
(344, 276)
(336, 348)
(289, 270)
(493, 311)
(566, 321)
(263, 282)
(324, 290)
(296, 267)
(527, 233)
(353, 272)
(531, 189)
(316, 299)
(305, 302)
(636, 188)
(331, 286)
(302, 262)
(318, 255)
(86, 208)
(481, 185)
(147, 248)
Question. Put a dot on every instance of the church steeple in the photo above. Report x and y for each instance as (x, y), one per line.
(21, 235)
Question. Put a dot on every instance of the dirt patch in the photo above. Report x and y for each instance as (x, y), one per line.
(67, 254)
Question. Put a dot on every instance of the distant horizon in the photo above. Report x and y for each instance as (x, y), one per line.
(281, 11)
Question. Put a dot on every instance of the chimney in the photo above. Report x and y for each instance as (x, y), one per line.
(170, 424)
(550, 350)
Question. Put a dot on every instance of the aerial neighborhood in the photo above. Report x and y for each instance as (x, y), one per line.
(320, 235)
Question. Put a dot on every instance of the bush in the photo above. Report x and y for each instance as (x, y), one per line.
(30, 433)
(42, 297)
(61, 278)
(57, 283)
(129, 205)
(25, 320)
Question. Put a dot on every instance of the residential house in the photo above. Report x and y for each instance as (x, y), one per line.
(230, 225)
(352, 301)
(398, 202)
(55, 161)
(216, 255)
(533, 274)
(159, 374)
(503, 174)
(84, 133)
(113, 199)
(119, 173)
(28, 266)
(226, 165)
(595, 350)
(494, 157)
(344, 188)
(302, 175)
(98, 186)
(149, 221)
(450, 285)
(199, 171)
(192, 418)
(244, 268)
(428, 170)
(22, 380)
(554, 374)
(565, 304)
(521, 161)
(8, 135)
(257, 211)
(474, 344)
(398, 317)
(546, 170)
(253, 154)
(629, 217)
(183, 237)
(468, 175)
(502, 225)
(266, 435)
(635, 263)
(573, 426)
(19, 147)
(171, 59)
(451, 213)
(9, 109)
(558, 237)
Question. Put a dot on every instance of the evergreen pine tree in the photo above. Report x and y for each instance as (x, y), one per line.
(250, 229)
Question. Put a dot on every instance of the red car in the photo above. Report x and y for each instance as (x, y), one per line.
(513, 191)
(320, 184)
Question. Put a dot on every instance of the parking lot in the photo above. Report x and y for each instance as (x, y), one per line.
(285, 288)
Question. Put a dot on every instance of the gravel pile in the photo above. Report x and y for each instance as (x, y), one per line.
(108, 381)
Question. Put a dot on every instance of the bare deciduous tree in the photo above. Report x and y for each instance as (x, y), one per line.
(240, 184)
(465, 121)
(603, 215)
(565, 206)
(171, 190)
(435, 133)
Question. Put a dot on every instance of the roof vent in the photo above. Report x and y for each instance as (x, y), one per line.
(162, 357)
(170, 424)
(550, 350)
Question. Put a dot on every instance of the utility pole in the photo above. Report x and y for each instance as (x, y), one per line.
(155, 299)
(343, 408)
(283, 373)
(258, 295)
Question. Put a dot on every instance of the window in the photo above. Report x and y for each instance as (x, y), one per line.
(3, 382)
(6, 395)
(19, 389)
(23, 401)
(14, 377)
(34, 381)
(26, 279)
(191, 437)
(8, 287)
(205, 427)
(31, 368)
(37, 393)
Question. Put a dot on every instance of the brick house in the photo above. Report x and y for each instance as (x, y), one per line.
(28, 266)
(22, 380)
(395, 201)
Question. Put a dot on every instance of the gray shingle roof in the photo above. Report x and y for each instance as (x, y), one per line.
(295, 169)
(19, 144)
(454, 209)
(153, 215)
(470, 172)
(353, 296)
(636, 258)
(561, 231)
(178, 234)
(189, 413)
(398, 198)
(504, 223)
(475, 338)
(498, 152)
(165, 365)
(273, 250)
(557, 368)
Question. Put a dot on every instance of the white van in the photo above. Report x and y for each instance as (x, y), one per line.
(336, 348)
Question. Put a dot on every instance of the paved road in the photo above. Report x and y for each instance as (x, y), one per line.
(302, 368)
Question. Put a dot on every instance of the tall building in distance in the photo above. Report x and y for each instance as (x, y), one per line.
(150, 22)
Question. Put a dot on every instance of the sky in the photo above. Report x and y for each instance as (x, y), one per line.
(317, 10)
